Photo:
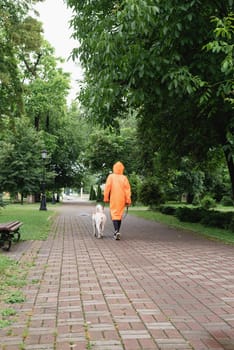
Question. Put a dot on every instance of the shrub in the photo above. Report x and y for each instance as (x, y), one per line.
(216, 218)
(208, 202)
(167, 209)
(99, 197)
(2, 203)
(135, 185)
(190, 214)
(231, 224)
(150, 193)
(226, 201)
(92, 194)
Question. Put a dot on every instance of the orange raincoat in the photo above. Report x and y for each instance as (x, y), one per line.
(117, 191)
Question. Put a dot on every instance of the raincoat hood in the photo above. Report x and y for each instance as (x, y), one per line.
(118, 168)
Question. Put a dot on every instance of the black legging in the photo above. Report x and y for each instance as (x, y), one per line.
(117, 224)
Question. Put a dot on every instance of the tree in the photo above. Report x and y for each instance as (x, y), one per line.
(46, 90)
(150, 193)
(151, 55)
(67, 156)
(18, 34)
(99, 194)
(105, 148)
(20, 159)
(189, 180)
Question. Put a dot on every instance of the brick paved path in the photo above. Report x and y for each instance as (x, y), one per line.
(157, 288)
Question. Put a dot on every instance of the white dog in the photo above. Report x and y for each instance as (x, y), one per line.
(98, 221)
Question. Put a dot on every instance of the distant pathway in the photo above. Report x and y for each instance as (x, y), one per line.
(156, 288)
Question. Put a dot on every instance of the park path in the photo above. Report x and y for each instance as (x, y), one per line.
(156, 288)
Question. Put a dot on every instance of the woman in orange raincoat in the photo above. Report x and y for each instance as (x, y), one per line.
(118, 192)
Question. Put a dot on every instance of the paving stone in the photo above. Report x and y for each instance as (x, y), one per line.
(157, 288)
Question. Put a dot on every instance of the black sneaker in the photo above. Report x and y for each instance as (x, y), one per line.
(117, 236)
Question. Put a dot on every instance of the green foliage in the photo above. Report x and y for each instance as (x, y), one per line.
(171, 221)
(92, 194)
(13, 276)
(8, 312)
(222, 48)
(231, 224)
(20, 152)
(5, 323)
(33, 85)
(15, 297)
(152, 56)
(189, 214)
(167, 209)
(208, 202)
(2, 203)
(226, 201)
(105, 148)
(215, 218)
(12, 14)
(135, 184)
(36, 223)
(6, 317)
(212, 218)
(5, 263)
(99, 194)
(189, 179)
(150, 193)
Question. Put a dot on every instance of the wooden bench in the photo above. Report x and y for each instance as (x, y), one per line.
(8, 232)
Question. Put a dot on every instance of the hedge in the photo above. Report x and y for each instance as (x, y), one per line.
(212, 218)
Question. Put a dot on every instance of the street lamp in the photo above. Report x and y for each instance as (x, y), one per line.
(43, 195)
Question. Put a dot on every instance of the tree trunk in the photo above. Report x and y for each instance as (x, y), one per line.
(230, 164)
(47, 122)
(36, 122)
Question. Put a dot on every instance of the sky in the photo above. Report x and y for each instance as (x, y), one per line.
(55, 17)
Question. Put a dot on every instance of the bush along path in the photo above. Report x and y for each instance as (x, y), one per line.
(156, 288)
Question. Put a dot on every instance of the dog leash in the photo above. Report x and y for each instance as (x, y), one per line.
(126, 212)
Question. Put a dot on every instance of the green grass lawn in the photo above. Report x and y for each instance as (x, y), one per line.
(210, 232)
(36, 223)
(13, 274)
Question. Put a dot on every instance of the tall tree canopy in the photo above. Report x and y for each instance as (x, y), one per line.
(171, 60)
(33, 93)
(20, 35)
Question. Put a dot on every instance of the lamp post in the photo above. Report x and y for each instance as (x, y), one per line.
(43, 195)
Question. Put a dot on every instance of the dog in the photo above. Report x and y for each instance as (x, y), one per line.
(98, 221)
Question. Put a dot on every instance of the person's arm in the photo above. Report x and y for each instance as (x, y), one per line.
(107, 190)
(127, 191)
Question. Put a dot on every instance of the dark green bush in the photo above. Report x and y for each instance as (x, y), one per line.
(231, 225)
(226, 201)
(92, 194)
(208, 202)
(135, 185)
(190, 214)
(150, 193)
(99, 197)
(216, 218)
(2, 203)
(167, 209)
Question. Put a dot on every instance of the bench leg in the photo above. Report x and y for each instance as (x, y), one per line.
(6, 245)
(17, 236)
(5, 241)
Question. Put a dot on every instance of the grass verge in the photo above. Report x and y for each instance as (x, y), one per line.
(36, 223)
(13, 278)
(13, 274)
(169, 220)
